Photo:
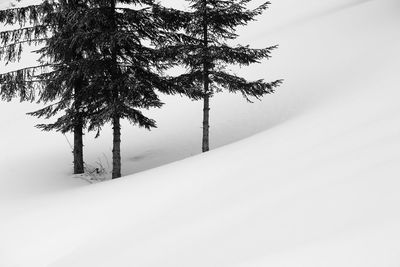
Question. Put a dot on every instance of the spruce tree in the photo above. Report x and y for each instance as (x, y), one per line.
(206, 52)
(54, 78)
(99, 63)
(66, 81)
(124, 68)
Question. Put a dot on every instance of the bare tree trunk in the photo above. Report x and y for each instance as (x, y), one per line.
(206, 124)
(206, 97)
(78, 129)
(78, 147)
(116, 172)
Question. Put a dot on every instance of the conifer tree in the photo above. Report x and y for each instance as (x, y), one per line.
(54, 78)
(206, 52)
(124, 68)
(95, 64)
(66, 82)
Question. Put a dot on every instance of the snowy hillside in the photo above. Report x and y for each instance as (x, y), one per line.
(308, 177)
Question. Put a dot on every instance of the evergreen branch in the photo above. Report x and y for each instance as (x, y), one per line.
(32, 14)
(242, 55)
(188, 84)
(46, 112)
(63, 124)
(169, 18)
(29, 42)
(24, 70)
(25, 91)
(28, 33)
(248, 89)
(136, 117)
(22, 83)
(12, 52)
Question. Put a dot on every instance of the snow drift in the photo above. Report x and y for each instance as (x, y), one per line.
(317, 185)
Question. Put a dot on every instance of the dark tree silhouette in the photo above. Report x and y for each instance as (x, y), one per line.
(122, 62)
(54, 78)
(206, 53)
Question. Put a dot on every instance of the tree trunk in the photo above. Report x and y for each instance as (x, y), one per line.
(116, 172)
(78, 147)
(78, 129)
(206, 124)
(206, 97)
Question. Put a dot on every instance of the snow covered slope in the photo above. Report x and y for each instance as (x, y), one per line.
(317, 185)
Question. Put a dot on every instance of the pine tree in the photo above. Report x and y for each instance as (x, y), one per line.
(124, 68)
(66, 82)
(206, 53)
(53, 78)
(100, 63)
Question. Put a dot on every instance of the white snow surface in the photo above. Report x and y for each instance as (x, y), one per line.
(307, 177)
